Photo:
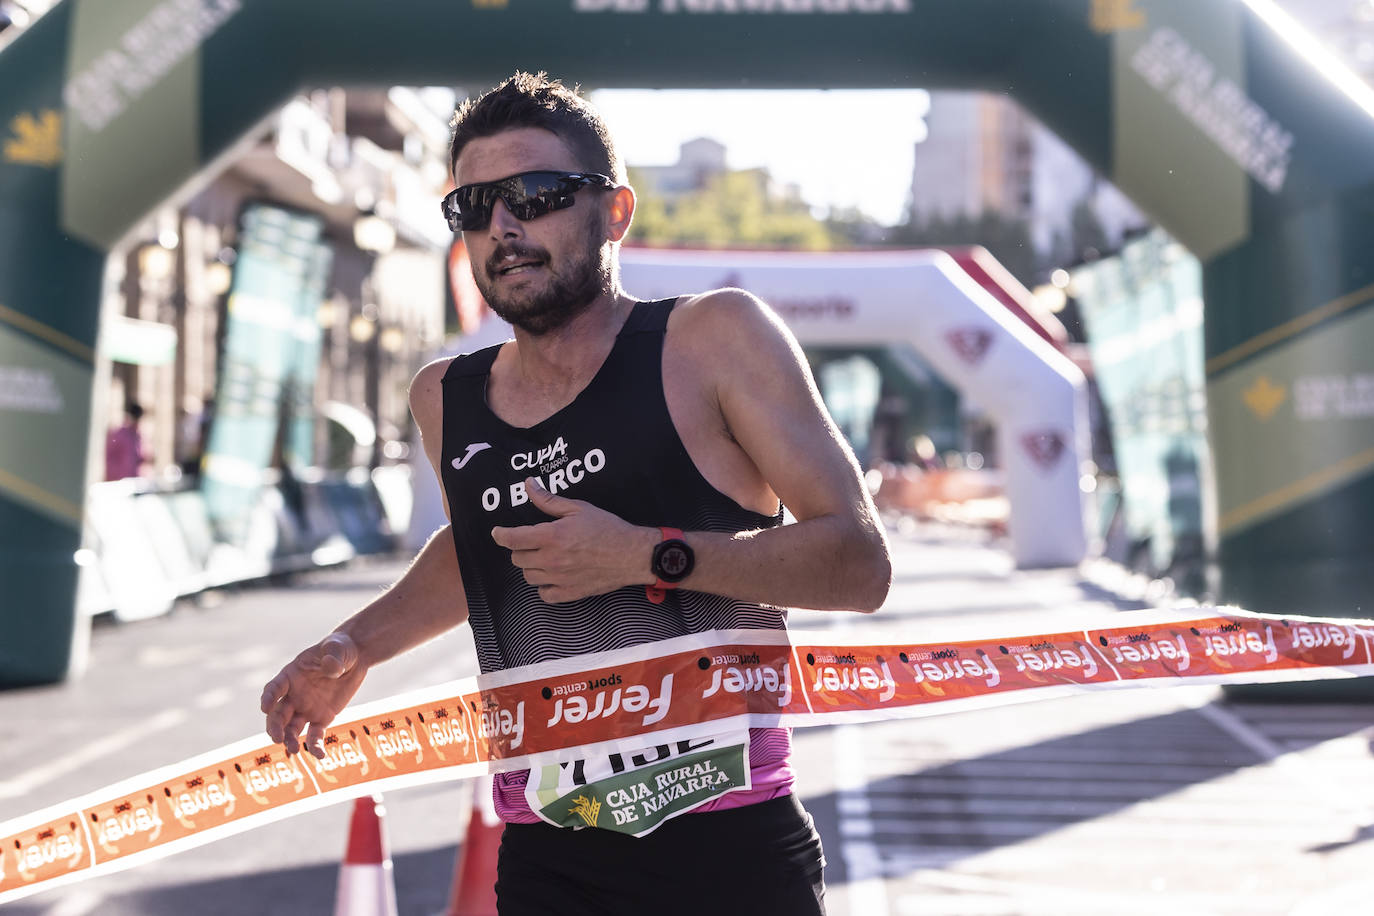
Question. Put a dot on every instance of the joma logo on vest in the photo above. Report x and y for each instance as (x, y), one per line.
(634, 698)
(831, 678)
(752, 679)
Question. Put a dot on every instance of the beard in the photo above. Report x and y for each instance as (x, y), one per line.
(567, 293)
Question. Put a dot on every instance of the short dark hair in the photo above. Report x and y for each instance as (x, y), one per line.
(534, 100)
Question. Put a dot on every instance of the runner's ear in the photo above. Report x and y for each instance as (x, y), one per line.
(620, 212)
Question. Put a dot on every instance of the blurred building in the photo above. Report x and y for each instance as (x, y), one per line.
(699, 161)
(362, 171)
(977, 156)
(364, 168)
(985, 155)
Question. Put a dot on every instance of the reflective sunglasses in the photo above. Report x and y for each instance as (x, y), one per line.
(527, 195)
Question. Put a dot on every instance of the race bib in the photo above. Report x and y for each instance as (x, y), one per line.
(635, 789)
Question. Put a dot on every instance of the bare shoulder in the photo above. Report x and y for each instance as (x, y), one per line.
(726, 323)
(728, 306)
(426, 391)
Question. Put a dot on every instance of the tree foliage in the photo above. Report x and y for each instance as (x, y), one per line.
(735, 209)
(1090, 240)
(1007, 238)
(731, 209)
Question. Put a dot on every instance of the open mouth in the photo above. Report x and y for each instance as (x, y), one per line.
(517, 268)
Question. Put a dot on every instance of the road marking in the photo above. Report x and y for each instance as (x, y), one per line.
(974, 895)
(863, 862)
(252, 655)
(1237, 728)
(50, 770)
(77, 903)
(171, 656)
(866, 889)
(220, 696)
(1072, 809)
(1323, 779)
(258, 678)
(1124, 825)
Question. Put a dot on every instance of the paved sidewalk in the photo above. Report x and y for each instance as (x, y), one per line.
(1169, 800)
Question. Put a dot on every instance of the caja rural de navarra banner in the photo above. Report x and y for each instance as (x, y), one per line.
(637, 702)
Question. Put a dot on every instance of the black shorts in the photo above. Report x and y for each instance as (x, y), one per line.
(759, 860)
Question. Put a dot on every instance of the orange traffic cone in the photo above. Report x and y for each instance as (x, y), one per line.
(474, 879)
(366, 885)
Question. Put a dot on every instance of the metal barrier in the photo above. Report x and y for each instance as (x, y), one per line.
(145, 546)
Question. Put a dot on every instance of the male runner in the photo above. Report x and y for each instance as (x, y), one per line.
(572, 460)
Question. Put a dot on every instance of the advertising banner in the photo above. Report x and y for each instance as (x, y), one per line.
(278, 285)
(622, 740)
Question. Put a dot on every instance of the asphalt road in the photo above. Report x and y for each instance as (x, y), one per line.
(1125, 801)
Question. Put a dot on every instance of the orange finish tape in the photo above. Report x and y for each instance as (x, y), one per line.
(655, 693)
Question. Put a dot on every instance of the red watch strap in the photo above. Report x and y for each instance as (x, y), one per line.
(659, 590)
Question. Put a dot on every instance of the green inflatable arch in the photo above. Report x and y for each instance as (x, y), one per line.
(1201, 110)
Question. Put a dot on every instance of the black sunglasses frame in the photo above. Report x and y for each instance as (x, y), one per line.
(554, 192)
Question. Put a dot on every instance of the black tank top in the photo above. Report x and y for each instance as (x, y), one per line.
(614, 446)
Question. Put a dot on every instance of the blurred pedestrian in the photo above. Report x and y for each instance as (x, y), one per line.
(572, 460)
(124, 455)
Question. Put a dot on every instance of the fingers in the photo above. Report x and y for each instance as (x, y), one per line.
(314, 740)
(291, 739)
(536, 577)
(273, 692)
(526, 537)
(558, 594)
(277, 718)
(282, 703)
(546, 502)
(530, 560)
(504, 537)
(544, 582)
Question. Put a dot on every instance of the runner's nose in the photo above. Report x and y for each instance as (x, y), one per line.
(503, 224)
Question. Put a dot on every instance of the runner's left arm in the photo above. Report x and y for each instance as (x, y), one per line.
(426, 600)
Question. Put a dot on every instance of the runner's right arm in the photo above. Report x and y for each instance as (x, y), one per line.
(426, 601)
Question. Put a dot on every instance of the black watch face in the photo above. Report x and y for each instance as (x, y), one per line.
(672, 560)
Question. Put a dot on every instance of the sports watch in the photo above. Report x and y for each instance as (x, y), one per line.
(672, 562)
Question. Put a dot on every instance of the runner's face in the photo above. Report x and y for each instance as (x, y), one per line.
(540, 274)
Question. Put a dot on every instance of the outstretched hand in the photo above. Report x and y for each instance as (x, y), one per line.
(309, 692)
(584, 551)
